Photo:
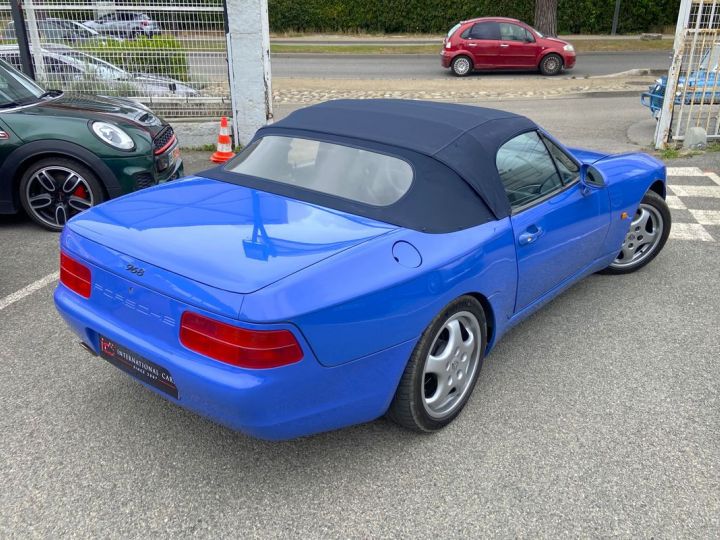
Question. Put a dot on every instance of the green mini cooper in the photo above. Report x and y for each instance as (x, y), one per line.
(61, 154)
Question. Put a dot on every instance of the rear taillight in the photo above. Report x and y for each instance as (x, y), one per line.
(145, 22)
(75, 276)
(241, 347)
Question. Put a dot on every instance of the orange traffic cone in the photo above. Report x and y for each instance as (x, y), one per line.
(224, 146)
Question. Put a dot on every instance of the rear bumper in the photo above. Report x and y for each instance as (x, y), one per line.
(275, 404)
(445, 59)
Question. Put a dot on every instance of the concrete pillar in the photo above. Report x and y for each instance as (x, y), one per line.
(248, 41)
(35, 45)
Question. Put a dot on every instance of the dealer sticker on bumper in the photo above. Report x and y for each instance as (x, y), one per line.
(137, 366)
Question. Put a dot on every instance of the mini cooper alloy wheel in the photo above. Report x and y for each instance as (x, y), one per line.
(643, 238)
(54, 194)
(451, 365)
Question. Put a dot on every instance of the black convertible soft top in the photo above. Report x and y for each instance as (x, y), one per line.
(451, 147)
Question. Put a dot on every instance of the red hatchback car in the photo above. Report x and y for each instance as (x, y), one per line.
(502, 43)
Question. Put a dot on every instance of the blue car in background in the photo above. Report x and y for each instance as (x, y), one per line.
(701, 87)
(358, 258)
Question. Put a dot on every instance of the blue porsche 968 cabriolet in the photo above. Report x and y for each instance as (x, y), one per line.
(356, 259)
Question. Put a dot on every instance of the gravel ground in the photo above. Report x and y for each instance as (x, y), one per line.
(304, 91)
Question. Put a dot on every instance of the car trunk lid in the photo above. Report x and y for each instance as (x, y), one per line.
(223, 235)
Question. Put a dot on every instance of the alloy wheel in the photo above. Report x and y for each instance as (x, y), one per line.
(643, 237)
(451, 365)
(552, 64)
(461, 66)
(55, 194)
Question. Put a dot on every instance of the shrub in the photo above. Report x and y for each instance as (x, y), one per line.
(158, 55)
(434, 16)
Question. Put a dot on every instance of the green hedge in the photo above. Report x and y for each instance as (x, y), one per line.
(159, 55)
(435, 16)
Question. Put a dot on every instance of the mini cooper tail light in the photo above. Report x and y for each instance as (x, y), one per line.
(75, 276)
(255, 349)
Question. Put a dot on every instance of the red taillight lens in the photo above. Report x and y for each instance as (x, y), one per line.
(241, 347)
(75, 276)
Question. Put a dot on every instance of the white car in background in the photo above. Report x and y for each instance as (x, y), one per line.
(125, 24)
(65, 67)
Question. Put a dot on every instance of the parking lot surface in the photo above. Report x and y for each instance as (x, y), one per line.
(600, 415)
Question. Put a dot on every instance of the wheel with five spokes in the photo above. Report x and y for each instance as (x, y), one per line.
(443, 369)
(52, 190)
(648, 232)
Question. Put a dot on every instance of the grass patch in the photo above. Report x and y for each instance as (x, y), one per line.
(581, 46)
(669, 153)
(356, 49)
(619, 45)
(679, 152)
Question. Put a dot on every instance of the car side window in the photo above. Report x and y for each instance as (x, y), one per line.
(512, 32)
(567, 168)
(485, 30)
(526, 169)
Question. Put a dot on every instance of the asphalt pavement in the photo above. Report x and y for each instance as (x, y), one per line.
(422, 66)
(598, 416)
(212, 66)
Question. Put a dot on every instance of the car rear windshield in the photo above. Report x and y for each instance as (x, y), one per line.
(453, 29)
(351, 173)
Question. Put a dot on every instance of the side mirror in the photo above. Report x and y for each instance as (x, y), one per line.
(590, 178)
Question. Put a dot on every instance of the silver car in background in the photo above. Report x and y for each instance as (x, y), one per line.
(72, 70)
(59, 30)
(125, 24)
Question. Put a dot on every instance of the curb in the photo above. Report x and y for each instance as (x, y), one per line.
(632, 73)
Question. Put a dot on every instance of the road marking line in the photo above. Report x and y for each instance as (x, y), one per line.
(696, 191)
(714, 177)
(706, 217)
(690, 231)
(685, 171)
(674, 202)
(27, 291)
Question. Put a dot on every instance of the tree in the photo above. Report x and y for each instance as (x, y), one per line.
(546, 16)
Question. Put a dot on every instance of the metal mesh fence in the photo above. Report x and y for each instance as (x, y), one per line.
(697, 93)
(691, 95)
(168, 54)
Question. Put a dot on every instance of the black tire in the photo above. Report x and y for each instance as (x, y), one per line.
(651, 200)
(46, 180)
(551, 64)
(408, 408)
(461, 66)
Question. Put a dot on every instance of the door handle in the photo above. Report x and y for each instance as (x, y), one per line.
(472, 44)
(504, 45)
(530, 235)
